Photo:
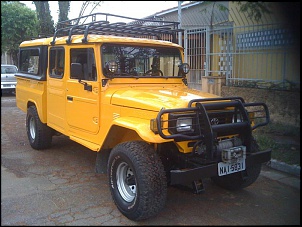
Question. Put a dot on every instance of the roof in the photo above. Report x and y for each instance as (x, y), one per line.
(95, 39)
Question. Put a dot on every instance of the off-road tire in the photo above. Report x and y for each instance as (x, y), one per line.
(241, 179)
(38, 133)
(144, 195)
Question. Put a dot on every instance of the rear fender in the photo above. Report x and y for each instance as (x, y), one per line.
(39, 110)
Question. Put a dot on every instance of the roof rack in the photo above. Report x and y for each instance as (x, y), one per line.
(137, 28)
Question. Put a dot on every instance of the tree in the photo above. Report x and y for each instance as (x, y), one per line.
(44, 17)
(93, 4)
(254, 9)
(85, 6)
(64, 8)
(18, 23)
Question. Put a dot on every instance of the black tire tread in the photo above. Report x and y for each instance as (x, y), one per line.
(43, 132)
(151, 177)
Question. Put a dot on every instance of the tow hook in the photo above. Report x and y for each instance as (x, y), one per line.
(198, 186)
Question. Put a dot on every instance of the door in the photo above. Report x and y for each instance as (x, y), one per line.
(56, 89)
(82, 93)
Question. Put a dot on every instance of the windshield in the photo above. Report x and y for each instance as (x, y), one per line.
(140, 61)
(8, 69)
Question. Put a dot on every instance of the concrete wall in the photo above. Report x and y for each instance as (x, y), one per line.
(284, 106)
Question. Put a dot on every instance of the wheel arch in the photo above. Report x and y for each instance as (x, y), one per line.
(118, 134)
(39, 110)
(128, 129)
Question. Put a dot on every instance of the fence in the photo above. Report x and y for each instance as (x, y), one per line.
(264, 56)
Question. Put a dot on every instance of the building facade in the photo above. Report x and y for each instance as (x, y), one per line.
(224, 45)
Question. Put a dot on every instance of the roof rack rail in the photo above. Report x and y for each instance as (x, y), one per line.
(41, 36)
(89, 24)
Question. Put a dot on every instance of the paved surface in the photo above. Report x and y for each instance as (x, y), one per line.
(286, 168)
(281, 176)
(59, 187)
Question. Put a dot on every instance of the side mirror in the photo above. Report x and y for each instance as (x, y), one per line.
(184, 68)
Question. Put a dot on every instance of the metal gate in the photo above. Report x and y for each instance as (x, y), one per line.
(248, 56)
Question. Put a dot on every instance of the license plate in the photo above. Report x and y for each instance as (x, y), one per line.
(229, 168)
(8, 85)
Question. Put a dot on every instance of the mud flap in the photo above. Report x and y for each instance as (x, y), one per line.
(101, 161)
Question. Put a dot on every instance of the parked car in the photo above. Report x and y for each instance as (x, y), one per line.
(8, 79)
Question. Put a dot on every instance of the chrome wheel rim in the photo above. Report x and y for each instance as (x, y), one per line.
(126, 182)
(32, 128)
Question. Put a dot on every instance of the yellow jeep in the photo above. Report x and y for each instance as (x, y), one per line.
(120, 90)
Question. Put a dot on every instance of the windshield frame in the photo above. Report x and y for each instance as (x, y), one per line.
(140, 61)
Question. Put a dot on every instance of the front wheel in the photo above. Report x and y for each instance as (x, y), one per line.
(137, 180)
(38, 133)
(241, 179)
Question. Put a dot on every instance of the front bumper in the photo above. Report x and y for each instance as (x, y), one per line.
(8, 85)
(188, 175)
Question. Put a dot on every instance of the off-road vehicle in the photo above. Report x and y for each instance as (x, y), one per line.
(121, 90)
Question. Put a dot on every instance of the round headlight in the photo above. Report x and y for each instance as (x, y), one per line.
(111, 66)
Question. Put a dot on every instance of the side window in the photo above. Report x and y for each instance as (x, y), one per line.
(56, 62)
(85, 58)
(29, 60)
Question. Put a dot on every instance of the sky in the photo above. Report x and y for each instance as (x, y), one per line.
(136, 9)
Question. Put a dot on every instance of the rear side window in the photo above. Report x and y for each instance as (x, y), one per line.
(33, 62)
(29, 61)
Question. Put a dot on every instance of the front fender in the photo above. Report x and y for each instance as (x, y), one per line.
(141, 127)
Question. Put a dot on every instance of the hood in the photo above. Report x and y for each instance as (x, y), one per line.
(155, 99)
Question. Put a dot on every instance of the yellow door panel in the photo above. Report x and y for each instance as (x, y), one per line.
(82, 107)
(56, 104)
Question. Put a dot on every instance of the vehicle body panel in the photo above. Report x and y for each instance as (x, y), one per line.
(8, 79)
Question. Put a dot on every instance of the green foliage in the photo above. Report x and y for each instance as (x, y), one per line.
(44, 17)
(254, 10)
(64, 8)
(281, 150)
(18, 23)
(282, 139)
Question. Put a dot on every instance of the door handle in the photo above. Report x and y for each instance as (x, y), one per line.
(69, 98)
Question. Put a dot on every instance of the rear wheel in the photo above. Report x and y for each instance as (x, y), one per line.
(241, 179)
(38, 133)
(137, 180)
